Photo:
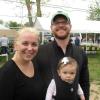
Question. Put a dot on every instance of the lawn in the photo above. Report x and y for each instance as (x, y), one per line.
(3, 59)
(94, 66)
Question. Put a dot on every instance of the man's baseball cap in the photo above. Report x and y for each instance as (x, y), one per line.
(60, 14)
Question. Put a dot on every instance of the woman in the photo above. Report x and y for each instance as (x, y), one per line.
(19, 77)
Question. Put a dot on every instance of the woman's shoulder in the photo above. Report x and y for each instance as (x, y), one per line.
(7, 75)
(8, 67)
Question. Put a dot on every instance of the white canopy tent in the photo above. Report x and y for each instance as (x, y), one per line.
(86, 26)
(82, 27)
(2, 27)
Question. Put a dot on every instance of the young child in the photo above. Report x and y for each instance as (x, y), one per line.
(66, 69)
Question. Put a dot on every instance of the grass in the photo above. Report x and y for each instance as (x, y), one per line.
(3, 59)
(94, 66)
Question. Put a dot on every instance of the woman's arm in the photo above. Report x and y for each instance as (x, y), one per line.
(7, 79)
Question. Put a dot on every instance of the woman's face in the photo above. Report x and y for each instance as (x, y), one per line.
(26, 45)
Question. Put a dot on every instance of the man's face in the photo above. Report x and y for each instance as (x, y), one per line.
(61, 28)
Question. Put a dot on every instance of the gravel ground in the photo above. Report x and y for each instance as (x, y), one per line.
(95, 91)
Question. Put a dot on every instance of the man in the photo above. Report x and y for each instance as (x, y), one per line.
(77, 41)
(4, 44)
(49, 54)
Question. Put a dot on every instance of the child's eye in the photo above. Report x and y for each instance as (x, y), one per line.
(65, 72)
(72, 73)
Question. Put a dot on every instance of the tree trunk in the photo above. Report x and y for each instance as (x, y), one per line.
(29, 8)
(38, 8)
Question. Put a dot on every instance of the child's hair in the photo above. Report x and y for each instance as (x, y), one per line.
(66, 61)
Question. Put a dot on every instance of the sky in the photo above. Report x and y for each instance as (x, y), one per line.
(76, 9)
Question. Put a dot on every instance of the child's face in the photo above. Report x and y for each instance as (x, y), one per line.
(67, 73)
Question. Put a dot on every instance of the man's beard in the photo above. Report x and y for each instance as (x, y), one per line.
(61, 37)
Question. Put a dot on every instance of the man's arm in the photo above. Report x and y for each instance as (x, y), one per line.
(84, 77)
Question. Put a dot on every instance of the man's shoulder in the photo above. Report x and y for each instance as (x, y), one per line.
(45, 46)
(77, 48)
(78, 51)
(44, 54)
(45, 50)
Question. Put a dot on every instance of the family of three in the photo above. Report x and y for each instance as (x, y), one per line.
(54, 71)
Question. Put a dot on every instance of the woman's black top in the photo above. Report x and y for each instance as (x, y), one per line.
(14, 85)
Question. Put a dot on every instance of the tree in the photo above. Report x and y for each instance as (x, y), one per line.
(13, 25)
(29, 4)
(38, 4)
(1, 21)
(29, 8)
(94, 11)
(38, 8)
